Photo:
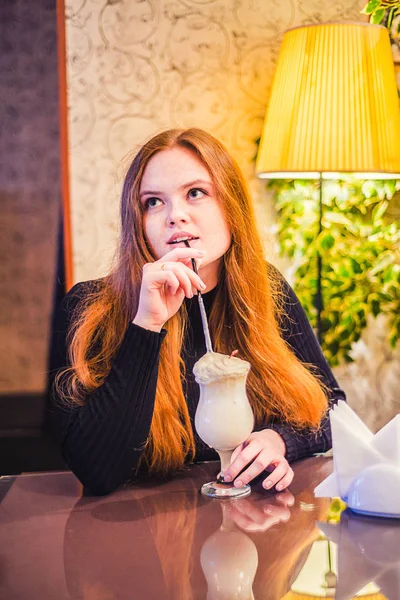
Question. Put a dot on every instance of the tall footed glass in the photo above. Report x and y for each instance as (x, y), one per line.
(224, 418)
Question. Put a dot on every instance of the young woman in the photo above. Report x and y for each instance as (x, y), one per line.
(125, 392)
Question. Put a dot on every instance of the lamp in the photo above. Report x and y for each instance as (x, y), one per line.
(333, 109)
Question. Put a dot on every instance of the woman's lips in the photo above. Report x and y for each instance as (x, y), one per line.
(182, 243)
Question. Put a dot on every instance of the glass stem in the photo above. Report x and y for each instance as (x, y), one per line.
(225, 457)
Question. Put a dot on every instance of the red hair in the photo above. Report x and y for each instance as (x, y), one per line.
(249, 299)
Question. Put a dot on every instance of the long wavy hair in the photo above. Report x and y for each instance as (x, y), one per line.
(245, 315)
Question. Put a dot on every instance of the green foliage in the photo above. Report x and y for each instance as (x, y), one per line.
(360, 250)
(380, 10)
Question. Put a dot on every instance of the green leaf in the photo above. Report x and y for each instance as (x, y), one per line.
(390, 18)
(390, 186)
(389, 276)
(393, 338)
(377, 16)
(370, 7)
(356, 266)
(375, 307)
(326, 240)
(343, 334)
(325, 324)
(334, 347)
(343, 272)
(336, 217)
(379, 210)
(382, 264)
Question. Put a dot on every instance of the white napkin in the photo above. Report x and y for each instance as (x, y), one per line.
(355, 447)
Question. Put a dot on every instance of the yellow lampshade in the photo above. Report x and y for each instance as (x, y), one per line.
(334, 106)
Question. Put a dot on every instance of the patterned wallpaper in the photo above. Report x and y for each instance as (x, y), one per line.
(29, 190)
(136, 67)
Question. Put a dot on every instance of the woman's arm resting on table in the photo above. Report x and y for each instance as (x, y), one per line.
(102, 441)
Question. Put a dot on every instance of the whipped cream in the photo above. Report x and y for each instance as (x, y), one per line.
(214, 366)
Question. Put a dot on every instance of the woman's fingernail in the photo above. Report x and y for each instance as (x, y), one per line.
(200, 252)
(267, 484)
(202, 285)
(238, 483)
(279, 487)
(227, 477)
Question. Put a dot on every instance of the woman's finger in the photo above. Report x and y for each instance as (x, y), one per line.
(183, 254)
(186, 275)
(242, 460)
(184, 280)
(259, 464)
(286, 480)
(277, 474)
(159, 278)
(195, 281)
(237, 451)
(172, 281)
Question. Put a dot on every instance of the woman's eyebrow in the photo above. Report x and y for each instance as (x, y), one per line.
(153, 192)
(181, 187)
(195, 182)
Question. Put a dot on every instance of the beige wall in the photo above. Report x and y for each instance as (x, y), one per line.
(136, 67)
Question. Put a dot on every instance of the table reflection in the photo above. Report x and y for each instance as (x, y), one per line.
(178, 544)
(163, 539)
(368, 550)
(229, 561)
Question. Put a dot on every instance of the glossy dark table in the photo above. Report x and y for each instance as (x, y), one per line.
(164, 540)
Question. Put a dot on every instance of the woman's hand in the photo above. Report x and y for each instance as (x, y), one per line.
(262, 450)
(254, 515)
(165, 283)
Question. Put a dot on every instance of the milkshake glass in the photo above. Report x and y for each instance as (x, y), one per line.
(224, 418)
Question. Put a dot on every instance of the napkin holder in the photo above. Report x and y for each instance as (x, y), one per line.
(366, 467)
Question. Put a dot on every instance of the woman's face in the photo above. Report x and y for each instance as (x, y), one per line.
(178, 199)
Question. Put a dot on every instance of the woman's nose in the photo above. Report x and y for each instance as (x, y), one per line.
(177, 214)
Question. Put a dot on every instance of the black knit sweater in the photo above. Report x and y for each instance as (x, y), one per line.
(103, 440)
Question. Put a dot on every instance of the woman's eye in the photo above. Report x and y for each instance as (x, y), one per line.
(196, 193)
(151, 202)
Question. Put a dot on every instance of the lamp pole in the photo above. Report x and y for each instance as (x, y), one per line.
(319, 304)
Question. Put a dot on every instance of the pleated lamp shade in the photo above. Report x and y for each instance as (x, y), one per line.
(334, 106)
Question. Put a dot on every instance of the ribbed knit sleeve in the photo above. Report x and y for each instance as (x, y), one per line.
(297, 331)
(102, 441)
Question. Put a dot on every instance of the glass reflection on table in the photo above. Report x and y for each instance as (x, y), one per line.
(163, 539)
(199, 547)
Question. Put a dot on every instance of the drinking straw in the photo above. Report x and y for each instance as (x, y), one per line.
(201, 306)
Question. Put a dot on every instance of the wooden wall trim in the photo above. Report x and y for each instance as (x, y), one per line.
(64, 145)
